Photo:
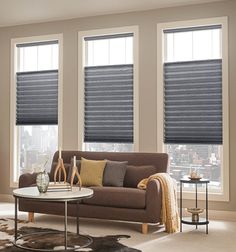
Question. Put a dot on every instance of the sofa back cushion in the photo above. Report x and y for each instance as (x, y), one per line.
(134, 174)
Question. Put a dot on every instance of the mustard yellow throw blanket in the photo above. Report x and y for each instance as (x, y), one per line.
(169, 211)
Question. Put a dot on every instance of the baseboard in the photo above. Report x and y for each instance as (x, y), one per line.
(6, 198)
(222, 215)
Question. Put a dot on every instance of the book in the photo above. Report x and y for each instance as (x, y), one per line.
(58, 189)
(53, 187)
(57, 184)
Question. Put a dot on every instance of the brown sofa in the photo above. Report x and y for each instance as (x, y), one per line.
(125, 203)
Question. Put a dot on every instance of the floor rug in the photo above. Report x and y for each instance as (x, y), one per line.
(109, 243)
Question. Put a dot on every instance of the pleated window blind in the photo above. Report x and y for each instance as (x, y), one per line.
(109, 104)
(193, 102)
(37, 95)
(37, 98)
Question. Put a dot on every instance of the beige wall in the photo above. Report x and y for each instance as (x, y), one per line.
(146, 21)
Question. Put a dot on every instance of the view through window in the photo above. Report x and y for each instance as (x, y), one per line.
(206, 159)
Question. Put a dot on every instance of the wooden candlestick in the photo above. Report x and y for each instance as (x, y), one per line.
(60, 168)
(75, 173)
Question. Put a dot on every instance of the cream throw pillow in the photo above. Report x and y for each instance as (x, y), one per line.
(91, 172)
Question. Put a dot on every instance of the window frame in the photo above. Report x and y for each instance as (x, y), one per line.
(224, 196)
(82, 49)
(14, 158)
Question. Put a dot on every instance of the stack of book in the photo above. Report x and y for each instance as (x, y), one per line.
(59, 187)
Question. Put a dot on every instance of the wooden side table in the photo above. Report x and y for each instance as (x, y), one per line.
(188, 220)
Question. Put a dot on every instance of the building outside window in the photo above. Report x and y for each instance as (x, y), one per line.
(109, 93)
(193, 113)
(35, 116)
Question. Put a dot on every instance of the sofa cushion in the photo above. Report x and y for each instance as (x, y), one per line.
(91, 172)
(117, 197)
(114, 173)
(134, 174)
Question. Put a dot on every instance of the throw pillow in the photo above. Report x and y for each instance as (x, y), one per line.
(134, 174)
(114, 173)
(91, 172)
(78, 164)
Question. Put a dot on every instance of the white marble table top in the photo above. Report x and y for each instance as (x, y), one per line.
(33, 193)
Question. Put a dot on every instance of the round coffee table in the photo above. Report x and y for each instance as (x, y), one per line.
(32, 193)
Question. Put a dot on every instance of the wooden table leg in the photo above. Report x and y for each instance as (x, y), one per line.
(30, 216)
(144, 228)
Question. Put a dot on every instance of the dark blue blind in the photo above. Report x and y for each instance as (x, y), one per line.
(193, 102)
(109, 104)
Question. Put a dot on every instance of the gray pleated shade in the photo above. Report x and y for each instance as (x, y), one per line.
(193, 102)
(109, 104)
(37, 98)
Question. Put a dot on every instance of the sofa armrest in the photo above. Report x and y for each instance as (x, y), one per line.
(154, 200)
(27, 179)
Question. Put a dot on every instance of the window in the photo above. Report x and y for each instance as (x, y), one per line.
(194, 107)
(35, 110)
(109, 92)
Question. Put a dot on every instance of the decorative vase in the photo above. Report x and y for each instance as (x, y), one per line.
(42, 181)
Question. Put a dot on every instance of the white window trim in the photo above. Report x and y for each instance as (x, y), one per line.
(224, 196)
(13, 128)
(81, 64)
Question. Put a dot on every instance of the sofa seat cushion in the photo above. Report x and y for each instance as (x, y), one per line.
(117, 197)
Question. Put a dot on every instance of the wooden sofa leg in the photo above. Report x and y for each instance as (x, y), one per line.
(144, 228)
(30, 216)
